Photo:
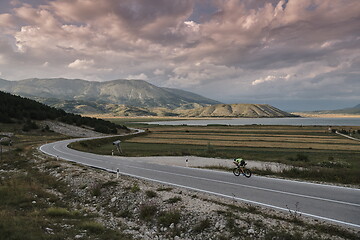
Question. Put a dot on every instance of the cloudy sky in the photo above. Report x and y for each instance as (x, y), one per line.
(293, 54)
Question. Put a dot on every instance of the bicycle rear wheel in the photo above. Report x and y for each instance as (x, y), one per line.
(247, 173)
(236, 171)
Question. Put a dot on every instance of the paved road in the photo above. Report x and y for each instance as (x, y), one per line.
(329, 203)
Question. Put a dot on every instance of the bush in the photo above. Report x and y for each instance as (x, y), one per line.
(300, 157)
(135, 188)
(150, 194)
(126, 213)
(164, 189)
(147, 212)
(29, 125)
(58, 212)
(167, 218)
(93, 227)
(96, 190)
(201, 226)
(173, 200)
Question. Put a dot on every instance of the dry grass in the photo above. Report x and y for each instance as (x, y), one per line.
(250, 136)
(245, 143)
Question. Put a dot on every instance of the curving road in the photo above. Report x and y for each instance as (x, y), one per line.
(339, 205)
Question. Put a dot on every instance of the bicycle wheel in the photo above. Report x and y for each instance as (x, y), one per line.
(236, 171)
(247, 173)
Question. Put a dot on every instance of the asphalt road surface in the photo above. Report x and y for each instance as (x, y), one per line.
(335, 204)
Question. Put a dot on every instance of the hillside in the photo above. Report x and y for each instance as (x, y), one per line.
(130, 98)
(137, 93)
(236, 110)
(16, 109)
(351, 110)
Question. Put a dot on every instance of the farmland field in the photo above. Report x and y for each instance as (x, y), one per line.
(304, 146)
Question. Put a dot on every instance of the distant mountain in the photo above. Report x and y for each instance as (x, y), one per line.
(130, 98)
(136, 93)
(351, 110)
(236, 110)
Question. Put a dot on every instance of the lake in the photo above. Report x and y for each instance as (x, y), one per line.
(268, 121)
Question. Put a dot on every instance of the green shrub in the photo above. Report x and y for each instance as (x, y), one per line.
(167, 218)
(135, 188)
(58, 212)
(300, 157)
(201, 226)
(30, 125)
(96, 190)
(126, 213)
(173, 200)
(151, 194)
(93, 227)
(109, 184)
(166, 189)
(147, 211)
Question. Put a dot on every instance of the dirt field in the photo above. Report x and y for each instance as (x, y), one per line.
(250, 136)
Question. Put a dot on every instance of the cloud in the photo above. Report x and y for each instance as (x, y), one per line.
(141, 76)
(208, 46)
(81, 64)
(270, 78)
(159, 72)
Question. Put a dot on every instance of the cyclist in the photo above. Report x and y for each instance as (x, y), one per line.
(239, 162)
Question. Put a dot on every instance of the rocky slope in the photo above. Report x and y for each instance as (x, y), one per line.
(138, 93)
(351, 110)
(130, 98)
(149, 210)
(236, 110)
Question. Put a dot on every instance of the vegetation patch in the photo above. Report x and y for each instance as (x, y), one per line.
(202, 225)
(147, 211)
(150, 194)
(173, 200)
(167, 218)
(93, 227)
(166, 189)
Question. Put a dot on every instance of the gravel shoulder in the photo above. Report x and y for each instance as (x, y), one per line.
(177, 213)
(149, 210)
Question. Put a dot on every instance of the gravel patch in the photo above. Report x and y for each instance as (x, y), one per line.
(70, 130)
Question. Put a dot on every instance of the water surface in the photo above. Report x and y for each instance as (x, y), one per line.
(268, 121)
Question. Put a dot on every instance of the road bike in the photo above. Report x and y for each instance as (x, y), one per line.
(241, 169)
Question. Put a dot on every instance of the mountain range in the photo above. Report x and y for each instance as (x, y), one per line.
(351, 110)
(129, 98)
(136, 93)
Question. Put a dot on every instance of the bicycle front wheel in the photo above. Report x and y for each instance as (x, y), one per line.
(247, 173)
(236, 171)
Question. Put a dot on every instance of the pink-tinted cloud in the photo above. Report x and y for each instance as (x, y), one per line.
(202, 45)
